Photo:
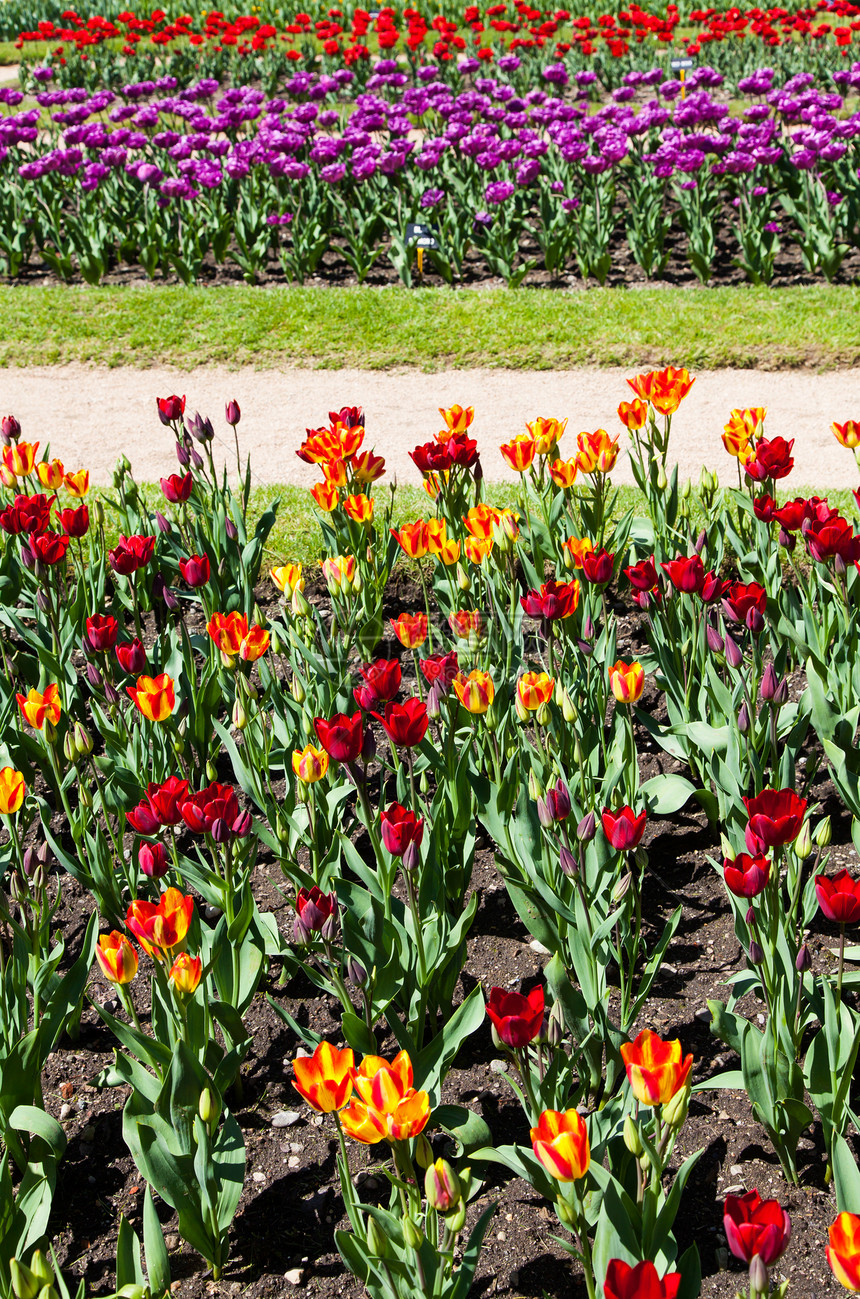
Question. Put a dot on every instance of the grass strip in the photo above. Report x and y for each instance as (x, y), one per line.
(430, 329)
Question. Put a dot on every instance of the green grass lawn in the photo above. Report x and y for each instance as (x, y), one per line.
(430, 329)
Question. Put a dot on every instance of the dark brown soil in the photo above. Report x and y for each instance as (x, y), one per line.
(291, 1203)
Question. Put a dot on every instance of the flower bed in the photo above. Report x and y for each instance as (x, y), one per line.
(173, 180)
(317, 775)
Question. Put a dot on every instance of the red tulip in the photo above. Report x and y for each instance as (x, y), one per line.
(49, 547)
(75, 522)
(143, 820)
(29, 514)
(177, 488)
(834, 536)
(746, 876)
(165, 800)
(404, 724)
(400, 828)
(153, 861)
(170, 408)
(442, 668)
(314, 908)
(597, 567)
(553, 600)
(341, 736)
(741, 599)
(195, 570)
(772, 459)
(102, 631)
(624, 1281)
(131, 553)
(775, 819)
(839, 897)
(686, 575)
(215, 811)
(642, 576)
(517, 1019)
(132, 656)
(764, 508)
(623, 829)
(756, 1227)
(382, 678)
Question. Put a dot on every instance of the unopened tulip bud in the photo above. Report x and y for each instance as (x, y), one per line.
(587, 828)
(30, 862)
(368, 746)
(641, 857)
(463, 579)
(534, 785)
(701, 542)
(734, 655)
(411, 859)
(750, 915)
(10, 429)
(423, 1155)
(555, 1025)
(356, 973)
(183, 455)
(28, 559)
(824, 833)
(41, 1268)
(83, 740)
(568, 708)
(675, 1110)
(560, 801)
(456, 1221)
(232, 413)
(231, 529)
(803, 961)
(839, 565)
(662, 480)
(442, 1186)
(780, 697)
(759, 1281)
(567, 862)
(543, 715)
(756, 955)
(567, 559)
(300, 606)
(588, 628)
(434, 702)
(164, 525)
(754, 621)
(25, 1283)
(413, 1236)
(565, 1212)
(622, 888)
(522, 712)
(716, 643)
(632, 1139)
(803, 842)
(329, 929)
(544, 814)
(377, 1241)
(240, 716)
(69, 751)
(769, 683)
(297, 690)
(744, 719)
(42, 601)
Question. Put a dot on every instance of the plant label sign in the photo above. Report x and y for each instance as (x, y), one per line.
(421, 235)
(681, 65)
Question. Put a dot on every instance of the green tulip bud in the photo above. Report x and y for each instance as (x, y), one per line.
(577, 752)
(567, 559)
(297, 690)
(424, 783)
(662, 480)
(211, 772)
(463, 580)
(555, 1025)
(542, 716)
(377, 1241)
(277, 643)
(824, 833)
(686, 490)
(423, 1152)
(132, 1291)
(25, 1283)
(632, 1140)
(535, 789)
(300, 606)
(99, 512)
(85, 797)
(568, 708)
(357, 583)
(69, 748)
(456, 1220)
(240, 716)
(522, 712)
(179, 747)
(565, 1212)
(412, 1233)
(206, 1106)
(41, 1268)
(803, 842)
(641, 857)
(675, 1110)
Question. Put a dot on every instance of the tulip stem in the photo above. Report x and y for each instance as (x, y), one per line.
(841, 966)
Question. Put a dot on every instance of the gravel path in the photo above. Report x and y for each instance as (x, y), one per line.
(92, 416)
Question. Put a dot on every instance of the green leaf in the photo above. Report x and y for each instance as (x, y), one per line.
(29, 1118)
(154, 1248)
(128, 1268)
(667, 793)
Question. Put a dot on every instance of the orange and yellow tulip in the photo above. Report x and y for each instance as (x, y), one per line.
(561, 1146)
(481, 520)
(233, 636)
(12, 790)
(579, 547)
(597, 452)
(160, 928)
(849, 435)
(465, 623)
(20, 458)
(477, 549)
(40, 708)
(843, 1250)
(116, 957)
(627, 681)
(155, 697)
(534, 689)
(413, 539)
(385, 1105)
(324, 1079)
(520, 452)
(325, 496)
(367, 467)
(633, 414)
(339, 571)
(359, 508)
(475, 691)
(509, 523)
(663, 389)
(51, 473)
(545, 433)
(288, 578)
(185, 973)
(334, 472)
(563, 472)
(656, 1069)
(410, 629)
(457, 419)
(743, 427)
(310, 763)
(78, 484)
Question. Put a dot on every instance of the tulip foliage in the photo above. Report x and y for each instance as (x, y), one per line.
(172, 715)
